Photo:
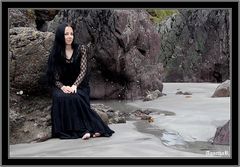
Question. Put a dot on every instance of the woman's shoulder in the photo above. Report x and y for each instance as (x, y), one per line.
(79, 46)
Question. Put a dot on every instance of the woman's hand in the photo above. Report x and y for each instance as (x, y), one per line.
(74, 88)
(66, 89)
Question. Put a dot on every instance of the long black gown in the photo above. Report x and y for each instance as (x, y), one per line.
(71, 114)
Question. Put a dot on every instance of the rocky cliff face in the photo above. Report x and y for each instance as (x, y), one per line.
(124, 48)
(195, 46)
(123, 52)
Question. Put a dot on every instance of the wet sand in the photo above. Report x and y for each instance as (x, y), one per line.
(126, 142)
(195, 119)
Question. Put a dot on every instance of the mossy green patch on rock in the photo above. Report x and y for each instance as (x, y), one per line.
(158, 15)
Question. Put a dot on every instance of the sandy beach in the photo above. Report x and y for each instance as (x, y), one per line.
(196, 116)
(183, 133)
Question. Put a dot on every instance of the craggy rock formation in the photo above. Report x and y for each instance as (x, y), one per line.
(22, 18)
(222, 135)
(152, 95)
(125, 56)
(112, 116)
(29, 118)
(43, 16)
(195, 46)
(124, 49)
(28, 54)
(223, 90)
(35, 18)
(122, 55)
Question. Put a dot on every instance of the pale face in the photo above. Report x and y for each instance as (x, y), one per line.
(68, 34)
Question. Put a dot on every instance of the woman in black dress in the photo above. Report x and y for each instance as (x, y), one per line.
(68, 74)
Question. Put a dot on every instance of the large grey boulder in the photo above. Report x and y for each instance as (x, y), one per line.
(28, 54)
(222, 135)
(223, 90)
(29, 119)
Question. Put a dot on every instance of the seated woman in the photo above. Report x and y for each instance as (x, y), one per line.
(68, 74)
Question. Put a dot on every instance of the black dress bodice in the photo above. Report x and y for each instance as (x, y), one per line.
(72, 69)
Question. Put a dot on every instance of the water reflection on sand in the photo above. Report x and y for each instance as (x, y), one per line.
(169, 138)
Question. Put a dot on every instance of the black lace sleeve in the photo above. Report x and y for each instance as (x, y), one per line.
(57, 82)
(83, 66)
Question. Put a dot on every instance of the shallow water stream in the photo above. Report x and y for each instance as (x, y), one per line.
(168, 138)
